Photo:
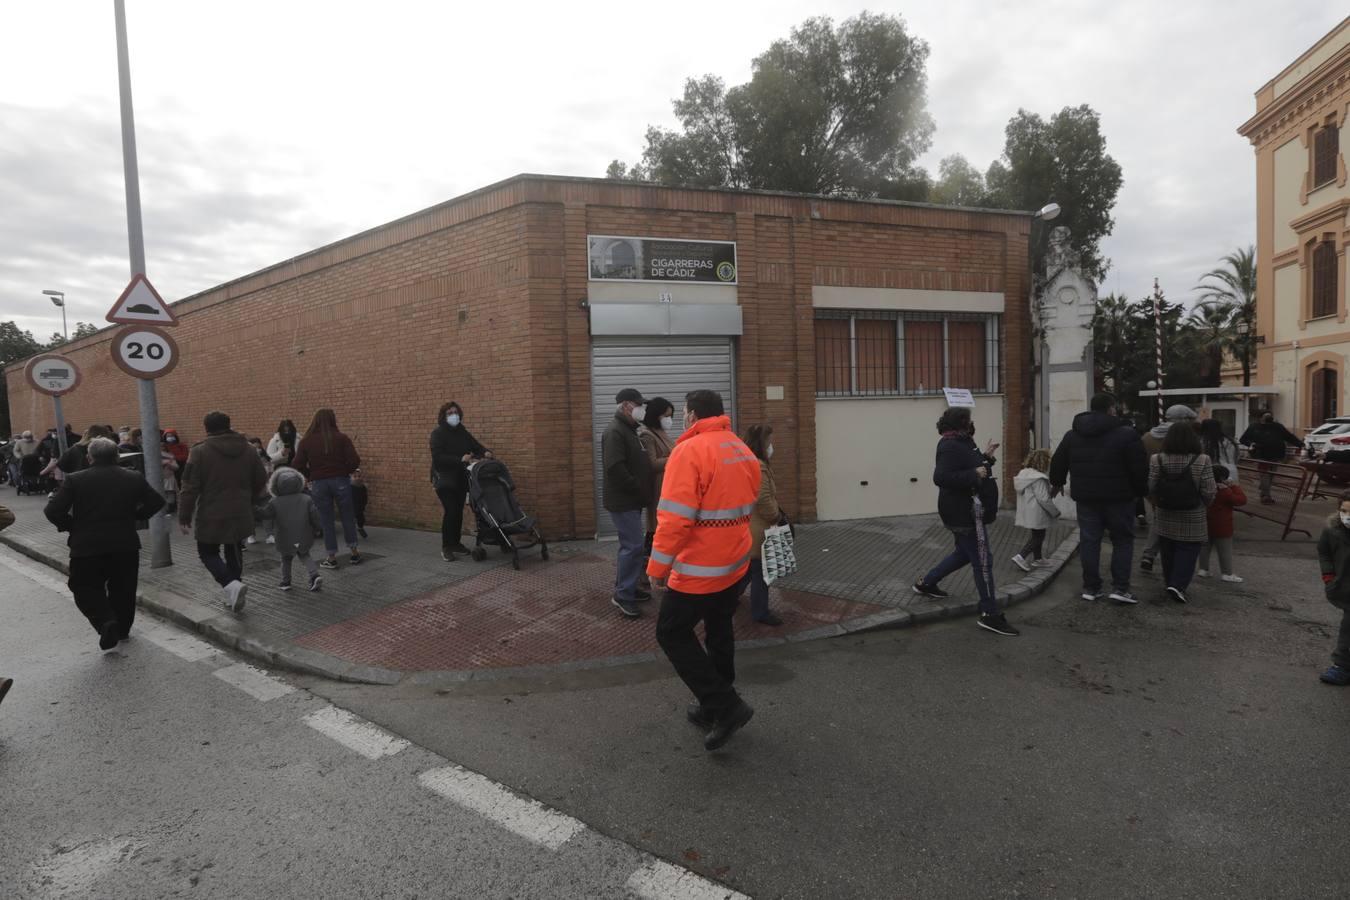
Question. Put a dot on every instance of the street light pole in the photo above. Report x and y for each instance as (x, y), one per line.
(160, 554)
(59, 299)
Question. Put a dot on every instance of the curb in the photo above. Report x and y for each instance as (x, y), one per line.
(234, 634)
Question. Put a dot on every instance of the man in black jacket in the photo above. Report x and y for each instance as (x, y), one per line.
(1103, 461)
(627, 490)
(1269, 441)
(99, 506)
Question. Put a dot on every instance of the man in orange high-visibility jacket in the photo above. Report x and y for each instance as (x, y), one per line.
(702, 548)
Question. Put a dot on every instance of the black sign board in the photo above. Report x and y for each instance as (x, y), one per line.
(661, 259)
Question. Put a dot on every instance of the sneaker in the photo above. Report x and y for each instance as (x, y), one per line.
(1336, 675)
(235, 592)
(1021, 563)
(329, 563)
(627, 608)
(1090, 595)
(727, 725)
(271, 539)
(1231, 579)
(1202, 573)
(460, 548)
(355, 558)
(251, 540)
(930, 590)
(447, 554)
(285, 586)
(1123, 597)
(642, 596)
(1177, 594)
(1146, 564)
(1042, 564)
(315, 581)
(998, 624)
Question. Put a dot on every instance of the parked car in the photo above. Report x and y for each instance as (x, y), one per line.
(1334, 433)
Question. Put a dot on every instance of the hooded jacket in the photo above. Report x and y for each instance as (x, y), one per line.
(292, 511)
(958, 483)
(1035, 509)
(1333, 555)
(1101, 459)
(223, 479)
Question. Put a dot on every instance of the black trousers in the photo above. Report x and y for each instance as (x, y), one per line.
(708, 669)
(105, 588)
(360, 497)
(226, 570)
(452, 522)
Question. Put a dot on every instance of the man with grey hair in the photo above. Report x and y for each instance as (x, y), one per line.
(100, 507)
(626, 493)
(1153, 441)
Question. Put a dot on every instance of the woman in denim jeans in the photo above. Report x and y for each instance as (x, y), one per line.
(327, 458)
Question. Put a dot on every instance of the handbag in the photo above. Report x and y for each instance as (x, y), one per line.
(777, 556)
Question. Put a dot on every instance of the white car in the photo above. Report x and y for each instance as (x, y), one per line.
(1333, 434)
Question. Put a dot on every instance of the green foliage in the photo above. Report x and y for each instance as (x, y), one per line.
(14, 346)
(1124, 341)
(1232, 288)
(959, 183)
(826, 111)
(84, 329)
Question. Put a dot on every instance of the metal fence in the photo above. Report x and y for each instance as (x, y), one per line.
(867, 353)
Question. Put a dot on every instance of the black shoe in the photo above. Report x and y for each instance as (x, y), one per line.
(447, 554)
(727, 725)
(1146, 564)
(1177, 594)
(627, 608)
(361, 531)
(355, 558)
(642, 596)
(998, 624)
(315, 582)
(930, 590)
(107, 636)
(284, 586)
(329, 563)
(699, 716)
(459, 548)
(770, 619)
(5, 685)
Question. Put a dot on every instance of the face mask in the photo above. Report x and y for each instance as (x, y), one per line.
(667, 423)
(1345, 519)
(768, 452)
(171, 440)
(639, 413)
(452, 420)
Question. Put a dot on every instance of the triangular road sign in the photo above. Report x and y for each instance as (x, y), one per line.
(141, 304)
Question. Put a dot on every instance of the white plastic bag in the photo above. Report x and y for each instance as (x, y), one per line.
(777, 556)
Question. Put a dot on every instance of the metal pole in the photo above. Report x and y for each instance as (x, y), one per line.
(64, 333)
(1158, 343)
(160, 554)
(60, 425)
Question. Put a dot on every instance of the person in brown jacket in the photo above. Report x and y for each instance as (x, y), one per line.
(328, 458)
(222, 483)
(767, 514)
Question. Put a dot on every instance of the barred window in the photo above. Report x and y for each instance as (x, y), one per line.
(871, 353)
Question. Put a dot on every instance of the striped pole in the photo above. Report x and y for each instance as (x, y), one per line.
(1158, 342)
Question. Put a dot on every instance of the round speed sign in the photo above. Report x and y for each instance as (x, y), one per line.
(144, 352)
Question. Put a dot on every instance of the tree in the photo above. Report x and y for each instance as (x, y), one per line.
(14, 346)
(1233, 287)
(1111, 329)
(958, 183)
(1064, 161)
(82, 329)
(1124, 350)
(826, 111)
(1211, 335)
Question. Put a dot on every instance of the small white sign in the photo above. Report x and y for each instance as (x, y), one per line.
(959, 397)
(144, 352)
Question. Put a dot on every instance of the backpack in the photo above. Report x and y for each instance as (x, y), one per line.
(1177, 491)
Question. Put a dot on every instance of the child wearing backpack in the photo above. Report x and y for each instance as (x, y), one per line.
(1333, 555)
(1035, 508)
(1227, 496)
(295, 520)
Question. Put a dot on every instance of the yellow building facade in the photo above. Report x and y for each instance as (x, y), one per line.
(1300, 134)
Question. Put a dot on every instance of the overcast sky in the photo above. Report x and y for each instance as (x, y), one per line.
(269, 128)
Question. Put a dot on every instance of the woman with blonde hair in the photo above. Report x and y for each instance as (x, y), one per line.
(1036, 510)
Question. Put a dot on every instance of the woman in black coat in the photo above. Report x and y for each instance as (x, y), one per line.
(964, 476)
(452, 448)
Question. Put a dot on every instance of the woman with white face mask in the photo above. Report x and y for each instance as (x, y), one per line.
(452, 449)
(656, 433)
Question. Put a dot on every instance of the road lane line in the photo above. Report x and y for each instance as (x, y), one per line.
(43, 575)
(253, 681)
(179, 643)
(354, 733)
(659, 880)
(527, 818)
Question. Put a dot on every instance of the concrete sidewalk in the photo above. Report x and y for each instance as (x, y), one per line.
(407, 615)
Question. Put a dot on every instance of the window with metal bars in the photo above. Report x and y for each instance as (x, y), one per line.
(883, 353)
(1326, 147)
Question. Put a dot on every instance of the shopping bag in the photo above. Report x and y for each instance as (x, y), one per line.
(777, 556)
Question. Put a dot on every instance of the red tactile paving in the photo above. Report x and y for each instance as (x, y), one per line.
(547, 614)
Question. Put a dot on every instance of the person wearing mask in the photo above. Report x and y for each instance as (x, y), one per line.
(281, 448)
(222, 482)
(759, 438)
(179, 451)
(1153, 441)
(452, 449)
(1181, 485)
(964, 476)
(627, 483)
(99, 506)
(702, 551)
(656, 434)
(327, 458)
(1268, 441)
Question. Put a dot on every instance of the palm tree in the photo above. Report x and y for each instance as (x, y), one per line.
(1234, 287)
(1110, 331)
(1210, 331)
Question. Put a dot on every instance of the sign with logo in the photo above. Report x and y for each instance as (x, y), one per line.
(144, 352)
(959, 397)
(52, 374)
(660, 259)
(141, 304)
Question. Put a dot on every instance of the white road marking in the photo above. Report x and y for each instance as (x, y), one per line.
(179, 643)
(254, 682)
(34, 571)
(659, 880)
(354, 733)
(527, 818)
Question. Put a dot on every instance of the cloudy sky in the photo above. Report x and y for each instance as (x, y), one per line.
(269, 128)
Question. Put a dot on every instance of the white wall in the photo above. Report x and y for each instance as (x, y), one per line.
(1288, 287)
(888, 442)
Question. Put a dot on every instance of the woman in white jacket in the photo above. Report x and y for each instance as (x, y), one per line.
(281, 448)
(1036, 510)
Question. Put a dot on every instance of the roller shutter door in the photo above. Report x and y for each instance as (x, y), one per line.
(665, 366)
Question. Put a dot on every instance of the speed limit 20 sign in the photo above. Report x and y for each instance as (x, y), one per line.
(144, 352)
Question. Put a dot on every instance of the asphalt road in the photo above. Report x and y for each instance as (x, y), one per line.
(1153, 751)
(167, 769)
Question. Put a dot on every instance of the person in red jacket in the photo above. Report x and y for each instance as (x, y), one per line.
(702, 550)
(328, 458)
(1220, 515)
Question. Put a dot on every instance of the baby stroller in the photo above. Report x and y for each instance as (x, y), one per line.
(492, 494)
(30, 475)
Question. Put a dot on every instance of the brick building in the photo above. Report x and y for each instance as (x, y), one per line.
(531, 300)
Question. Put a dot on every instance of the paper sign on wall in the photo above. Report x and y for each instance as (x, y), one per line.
(959, 397)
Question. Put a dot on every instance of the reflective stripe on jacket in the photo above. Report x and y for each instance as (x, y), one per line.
(702, 542)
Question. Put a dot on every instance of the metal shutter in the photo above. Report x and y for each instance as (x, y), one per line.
(662, 366)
